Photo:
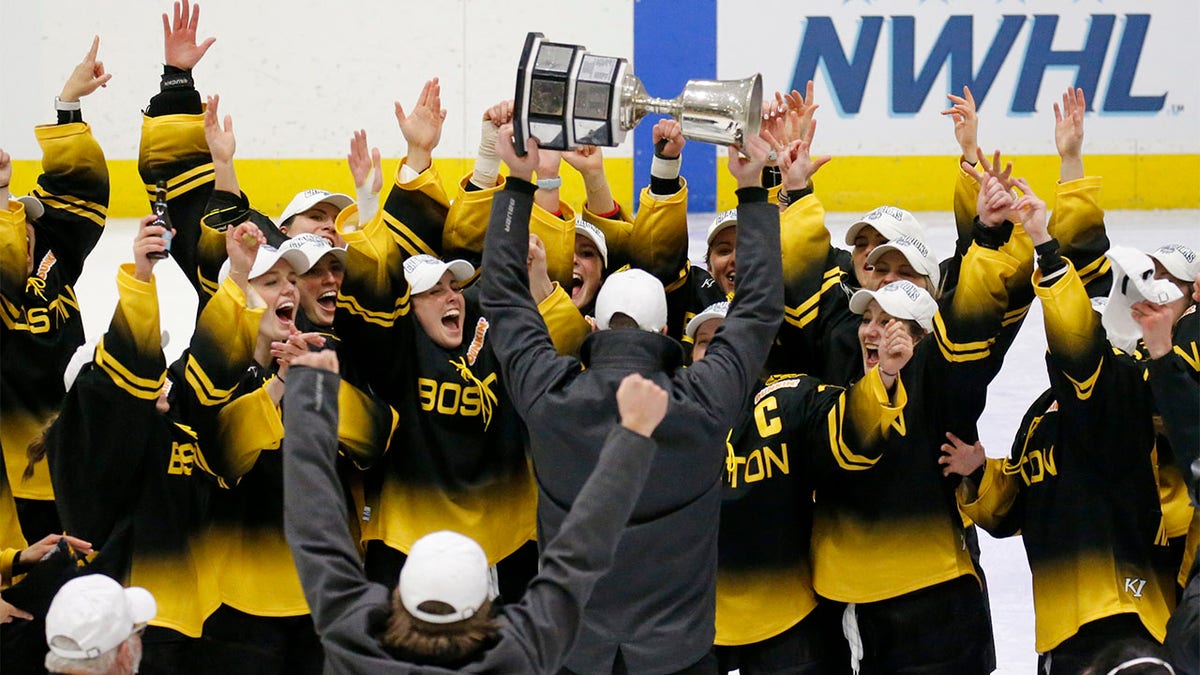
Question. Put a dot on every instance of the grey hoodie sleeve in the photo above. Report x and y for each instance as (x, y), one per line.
(542, 628)
(314, 521)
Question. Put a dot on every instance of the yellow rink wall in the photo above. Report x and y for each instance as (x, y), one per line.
(845, 184)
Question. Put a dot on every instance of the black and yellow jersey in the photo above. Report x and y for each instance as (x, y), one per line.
(12, 541)
(886, 523)
(1080, 484)
(173, 149)
(457, 458)
(130, 479)
(764, 577)
(41, 325)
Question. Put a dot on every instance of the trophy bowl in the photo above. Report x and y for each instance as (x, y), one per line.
(567, 97)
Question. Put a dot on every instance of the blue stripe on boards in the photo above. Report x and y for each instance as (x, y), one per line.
(674, 42)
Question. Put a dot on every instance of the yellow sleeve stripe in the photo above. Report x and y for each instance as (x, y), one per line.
(803, 314)
(1084, 389)
(138, 387)
(11, 314)
(1097, 268)
(208, 286)
(407, 239)
(206, 392)
(80, 207)
(385, 319)
(681, 278)
(958, 352)
(185, 182)
(845, 458)
(1015, 315)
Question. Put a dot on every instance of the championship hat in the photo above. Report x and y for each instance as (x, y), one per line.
(722, 221)
(307, 199)
(891, 221)
(266, 258)
(593, 233)
(1133, 282)
(635, 293)
(422, 272)
(901, 300)
(915, 252)
(449, 569)
(1179, 260)
(717, 310)
(93, 614)
(311, 248)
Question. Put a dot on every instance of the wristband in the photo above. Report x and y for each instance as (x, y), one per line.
(661, 167)
(176, 78)
(67, 106)
(549, 183)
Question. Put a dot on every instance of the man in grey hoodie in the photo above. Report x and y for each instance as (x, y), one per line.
(439, 618)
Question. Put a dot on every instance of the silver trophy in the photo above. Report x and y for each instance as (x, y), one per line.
(567, 97)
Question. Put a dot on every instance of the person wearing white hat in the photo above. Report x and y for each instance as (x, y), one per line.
(45, 239)
(768, 617)
(131, 472)
(1080, 485)
(320, 272)
(563, 402)
(877, 227)
(93, 627)
(441, 616)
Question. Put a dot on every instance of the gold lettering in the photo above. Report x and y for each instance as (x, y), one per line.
(449, 408)
(767, 426)
(183, 459)
(38, 319)
(772, 458)
(756, 474)
(471, 404)
(427, 390)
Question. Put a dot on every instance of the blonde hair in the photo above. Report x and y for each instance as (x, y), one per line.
(447, 645)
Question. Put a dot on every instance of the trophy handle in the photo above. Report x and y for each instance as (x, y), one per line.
(712, 111)
(524, 80)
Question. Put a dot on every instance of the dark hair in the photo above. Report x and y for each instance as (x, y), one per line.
(448, 645)
(621, 320)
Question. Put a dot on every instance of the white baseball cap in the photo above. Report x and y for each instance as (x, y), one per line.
(93, 614)
(422, 272)
(33, 206)
(901, 300)
(450, 568)
(915, 252)
(266, 258)
(722, 221)
(311, 248)
(1179, 260)
(635, 293)
(717, 310)
(593, 233)
(1132, 282)
(891, 221)
(307, 199)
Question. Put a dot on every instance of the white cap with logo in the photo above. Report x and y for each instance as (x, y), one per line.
(1179, 260)
(266, 258)
(593, 233)
(717, 310)
(448, 568)
(890, 221)
(722, 221)
(915, 252)
(311, 249)
(901, 300)
(1132, 282)
(422, 272)
(307, 199)
(635, 293)
(93, 614)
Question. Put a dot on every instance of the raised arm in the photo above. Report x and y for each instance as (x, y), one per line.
(726, 375)
(519, 338)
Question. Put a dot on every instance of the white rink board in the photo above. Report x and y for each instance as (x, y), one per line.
(1169, 67)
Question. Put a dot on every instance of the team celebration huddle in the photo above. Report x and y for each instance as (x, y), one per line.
(481, 429)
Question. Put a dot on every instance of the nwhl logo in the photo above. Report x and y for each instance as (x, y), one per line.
(1134, 586)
